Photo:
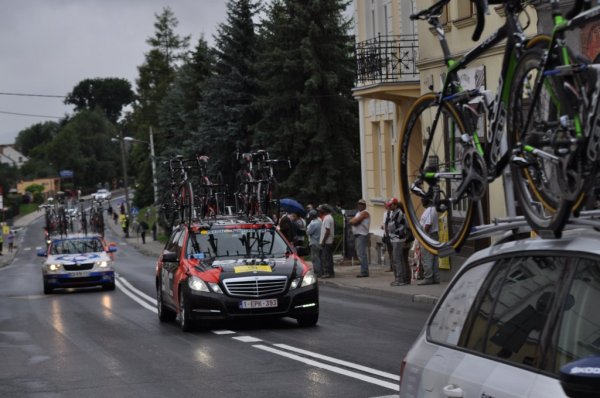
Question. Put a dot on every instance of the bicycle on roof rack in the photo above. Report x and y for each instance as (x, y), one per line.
(55, 216)
(97, 217)
(210, 198)
(447, 160)
(177, 204)
(257, 183)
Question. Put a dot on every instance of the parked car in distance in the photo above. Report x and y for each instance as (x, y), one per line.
(233, 268)
(511, 321)
(77, 261)
(102, 194)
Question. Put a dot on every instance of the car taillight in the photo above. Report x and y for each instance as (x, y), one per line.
(402, 366)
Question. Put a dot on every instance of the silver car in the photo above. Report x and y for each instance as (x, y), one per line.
(513, 316)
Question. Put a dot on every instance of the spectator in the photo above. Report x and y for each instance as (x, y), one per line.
(288, 227)
(143, 229)
(154, 230)
(124, 222)
(326, 240)
(10, 239)
(386, 236)
(429, 222)
(360, 229)
(1, 241)
(314, 233)
(300, 229)
(397, 229)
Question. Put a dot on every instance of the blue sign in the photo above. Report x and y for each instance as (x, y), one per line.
(135, 211)
(66, 173)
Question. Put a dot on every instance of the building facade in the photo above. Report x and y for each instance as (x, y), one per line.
(9, 155)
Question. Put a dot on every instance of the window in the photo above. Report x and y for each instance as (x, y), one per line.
(515, 307)
(172, 244)
(447, 324)
(579, 331)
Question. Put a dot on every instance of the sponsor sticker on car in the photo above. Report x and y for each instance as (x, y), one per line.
(252, 268)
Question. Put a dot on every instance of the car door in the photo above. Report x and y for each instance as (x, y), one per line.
(169, 268)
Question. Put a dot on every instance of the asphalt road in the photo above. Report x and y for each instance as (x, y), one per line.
(92, 343)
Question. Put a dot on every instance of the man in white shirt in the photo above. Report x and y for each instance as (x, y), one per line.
(326, 240)
(360, 229)
(429, 221)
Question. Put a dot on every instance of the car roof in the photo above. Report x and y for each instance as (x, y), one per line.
(580, 240)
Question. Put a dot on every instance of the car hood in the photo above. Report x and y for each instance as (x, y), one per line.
(235, 268)
(77, 258)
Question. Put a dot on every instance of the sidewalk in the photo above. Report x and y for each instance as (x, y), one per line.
(378, 282)
(19, 223)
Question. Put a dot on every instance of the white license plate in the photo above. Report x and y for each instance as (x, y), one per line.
(79, 274)
(249, 304)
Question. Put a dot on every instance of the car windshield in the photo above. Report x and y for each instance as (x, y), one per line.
(75, 246)
(236, 243)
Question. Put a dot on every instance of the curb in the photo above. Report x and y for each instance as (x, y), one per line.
(407, 297)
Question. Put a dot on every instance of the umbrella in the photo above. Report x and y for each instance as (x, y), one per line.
(292, 206)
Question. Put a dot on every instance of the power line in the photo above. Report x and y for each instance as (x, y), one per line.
(31, 115)
(34, 95)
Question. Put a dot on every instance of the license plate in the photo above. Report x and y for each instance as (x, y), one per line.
(79, 274)
(250, 304)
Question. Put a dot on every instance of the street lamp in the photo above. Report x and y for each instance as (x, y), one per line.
(120, 139)
(152, 158)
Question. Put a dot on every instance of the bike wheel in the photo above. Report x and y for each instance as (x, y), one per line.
(416, 181)
(545, 190)
(84, 226)
(186, 203)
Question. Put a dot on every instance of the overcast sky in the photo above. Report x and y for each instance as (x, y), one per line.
(48, 46)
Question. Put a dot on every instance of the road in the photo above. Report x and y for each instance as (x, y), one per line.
(93, 343)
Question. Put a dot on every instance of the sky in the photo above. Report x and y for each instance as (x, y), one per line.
(48, 46)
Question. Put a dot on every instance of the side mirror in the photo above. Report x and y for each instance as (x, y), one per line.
(581, 378)
(112, 247)
(169, 257)
(40, 252)
(302, 251)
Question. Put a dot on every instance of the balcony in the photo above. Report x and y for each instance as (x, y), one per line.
(387, 59)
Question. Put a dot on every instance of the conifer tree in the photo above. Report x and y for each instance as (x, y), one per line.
(228, 111)
(309, 112)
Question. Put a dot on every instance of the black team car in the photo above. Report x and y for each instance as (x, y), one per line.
(233, 268)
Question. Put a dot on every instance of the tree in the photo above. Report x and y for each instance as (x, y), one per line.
(108, 94)
(39, 134)
(156, 74)
(228, 111)
(36, 192)
(309, 112)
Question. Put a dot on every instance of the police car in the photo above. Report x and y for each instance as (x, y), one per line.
(78, 261)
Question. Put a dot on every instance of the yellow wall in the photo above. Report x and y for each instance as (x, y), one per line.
(50, 185)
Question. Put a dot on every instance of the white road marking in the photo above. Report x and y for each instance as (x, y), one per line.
(334, 369)
(247, 339)
(27, 249)
(134, 297)
(340, 362)
(136, 291)
(219, 332)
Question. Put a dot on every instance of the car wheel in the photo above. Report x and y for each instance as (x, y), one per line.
(164, 314)
(308, 320)
(47, 288)
(185, 322)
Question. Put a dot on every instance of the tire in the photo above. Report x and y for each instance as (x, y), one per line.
(47, 288)
(186, 203)
(308, 320)
(185, 322)
(539, 184)
(418, 121)
(164, 314)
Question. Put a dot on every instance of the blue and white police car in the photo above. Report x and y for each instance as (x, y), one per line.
(78, 261)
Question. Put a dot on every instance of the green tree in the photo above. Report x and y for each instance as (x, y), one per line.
(36, 192)
(107, 94)
(157, 73)
(39, 134)
(309, 112)
(84, 146)
(228, 110)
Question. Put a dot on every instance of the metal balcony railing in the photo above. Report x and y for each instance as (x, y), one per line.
(387, 59)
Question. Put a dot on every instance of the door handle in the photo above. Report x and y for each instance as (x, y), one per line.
(453, 391)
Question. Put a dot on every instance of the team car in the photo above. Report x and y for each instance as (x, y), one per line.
(77, 261)
(233, 268)
(102, 194)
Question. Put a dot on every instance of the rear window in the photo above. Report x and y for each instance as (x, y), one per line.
(236, 243)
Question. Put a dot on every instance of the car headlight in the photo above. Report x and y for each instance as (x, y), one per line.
(53, 267)
(197, 284)
(102, 264)
(215, 287)
(308, 279)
